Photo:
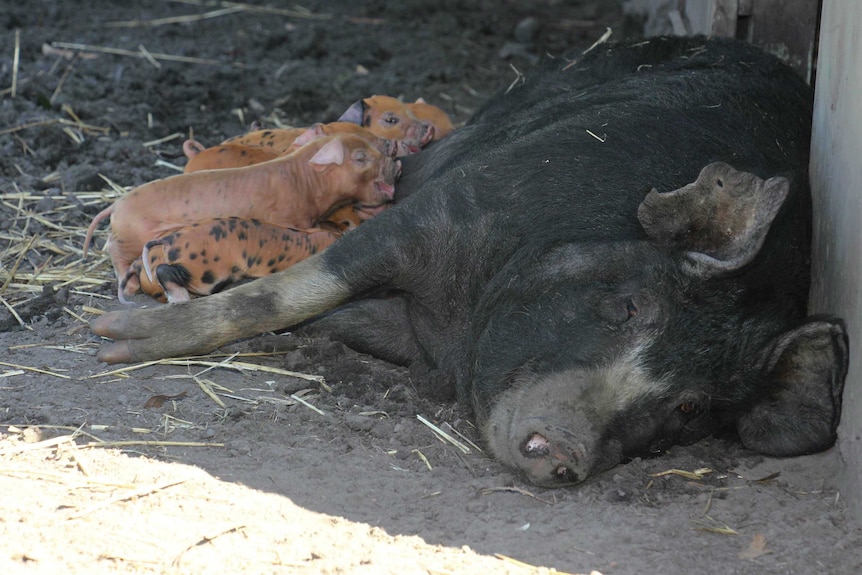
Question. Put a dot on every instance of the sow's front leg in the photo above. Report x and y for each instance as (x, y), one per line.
(204, 324)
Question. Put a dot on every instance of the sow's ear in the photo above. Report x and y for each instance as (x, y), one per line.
(331, 153)
(721, 218)
(803, 371)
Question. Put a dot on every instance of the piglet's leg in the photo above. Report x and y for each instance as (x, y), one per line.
(202, 325)
(175, 292)
(129, 285)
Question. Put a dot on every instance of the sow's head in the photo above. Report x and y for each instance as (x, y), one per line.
(606, 351)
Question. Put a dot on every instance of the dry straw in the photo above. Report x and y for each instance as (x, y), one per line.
(15, 61)
(141, 52)
(443, 436)
(531, 568)
(41, 246)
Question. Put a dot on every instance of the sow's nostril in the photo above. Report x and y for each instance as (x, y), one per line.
(536, 445)
(566, 475)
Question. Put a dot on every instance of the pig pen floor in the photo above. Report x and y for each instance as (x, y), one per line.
(188, 468)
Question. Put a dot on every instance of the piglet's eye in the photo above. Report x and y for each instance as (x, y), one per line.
(391, 120)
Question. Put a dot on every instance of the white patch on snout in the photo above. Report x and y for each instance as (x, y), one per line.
(623, 383)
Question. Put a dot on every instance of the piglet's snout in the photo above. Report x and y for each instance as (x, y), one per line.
(553, 461)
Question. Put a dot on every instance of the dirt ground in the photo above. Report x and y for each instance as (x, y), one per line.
(298, 455)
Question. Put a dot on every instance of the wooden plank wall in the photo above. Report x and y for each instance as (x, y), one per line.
(822, 40)
(786, 28)
(836, 184)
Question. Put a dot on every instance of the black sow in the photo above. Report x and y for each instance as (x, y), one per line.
(610, 258)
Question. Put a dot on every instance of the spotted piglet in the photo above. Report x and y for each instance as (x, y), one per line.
(208, 256)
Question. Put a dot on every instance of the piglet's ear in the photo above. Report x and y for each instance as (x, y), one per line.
(721, 218)
(331, 153)
(803, 373)
(420, 101)
(315, 131)
(355, 114)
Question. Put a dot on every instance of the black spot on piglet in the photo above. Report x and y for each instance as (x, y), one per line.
(218, 232)
(175, 273)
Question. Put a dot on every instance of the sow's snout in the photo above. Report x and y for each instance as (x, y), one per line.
(549, 454)
(541, 427)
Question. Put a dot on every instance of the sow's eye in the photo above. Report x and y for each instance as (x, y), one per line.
(619, 309)
(685, 424)
(688, 407)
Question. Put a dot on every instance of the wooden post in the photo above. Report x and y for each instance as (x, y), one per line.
(787, 28)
